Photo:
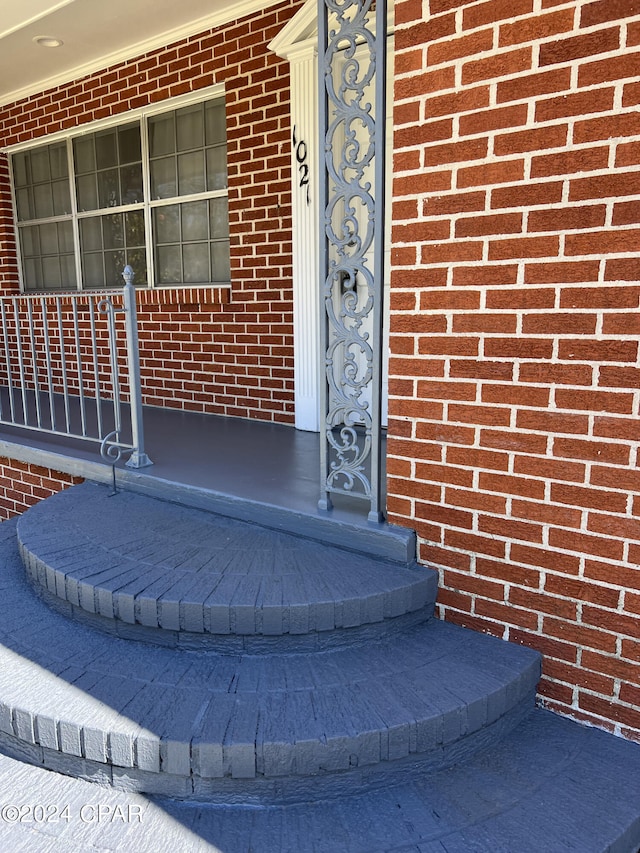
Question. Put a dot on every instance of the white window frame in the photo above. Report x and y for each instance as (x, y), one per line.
(141, 115)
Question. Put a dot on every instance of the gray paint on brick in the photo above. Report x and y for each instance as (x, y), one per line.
(339, 741)
(246, 570)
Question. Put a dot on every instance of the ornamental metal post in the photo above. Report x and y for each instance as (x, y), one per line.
(352, 64)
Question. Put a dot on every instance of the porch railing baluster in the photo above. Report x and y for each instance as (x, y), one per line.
(47, 353)
(96, 369)
(21, 373)
(63, 366)
(81, 397)
(33, 357)
(34, 365)
(7, 359)
(106, 307)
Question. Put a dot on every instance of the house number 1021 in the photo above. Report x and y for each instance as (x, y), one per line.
(301, 153)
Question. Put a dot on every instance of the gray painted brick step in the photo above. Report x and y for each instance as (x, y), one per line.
(187, 577)
(551, 786)
(236, 725)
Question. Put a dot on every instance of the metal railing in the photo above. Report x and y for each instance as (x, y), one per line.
(69, 366)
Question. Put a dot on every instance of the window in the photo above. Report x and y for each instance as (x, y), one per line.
(43, 209)
(150, 192)
(188, 156)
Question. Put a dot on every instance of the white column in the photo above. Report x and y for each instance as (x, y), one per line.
(306, 289)
(298, 43)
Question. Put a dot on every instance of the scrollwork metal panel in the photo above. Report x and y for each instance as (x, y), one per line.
(352, 94)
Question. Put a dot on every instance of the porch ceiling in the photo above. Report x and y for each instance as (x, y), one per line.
(95, 35)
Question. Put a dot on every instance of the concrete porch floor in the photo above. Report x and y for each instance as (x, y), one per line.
(252, 470)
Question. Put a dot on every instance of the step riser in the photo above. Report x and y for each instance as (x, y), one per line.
(550, 785)
(234, 644)
(324, 784)
(201, 578)
(318, 627)
(378, 540)
(250, 741)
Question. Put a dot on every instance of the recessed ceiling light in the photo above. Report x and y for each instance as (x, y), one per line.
(48, 41)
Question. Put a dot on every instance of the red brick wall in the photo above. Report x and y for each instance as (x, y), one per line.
(8, 259)
(23, 484)
(236, 357)
(514, 371)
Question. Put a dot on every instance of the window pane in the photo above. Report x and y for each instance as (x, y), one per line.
(49, 238)
(162, 135)
(30, 241)
(65, 237)
(163, 178)
(112, 229)
(40, 166)
(134, 228)
(111, 241)
(194, 221)
(41, 182)
(137, 260)
(106, 151)
(20, 169)
(24, 201)
(93, 275)
(114, 263)
(195, 257)
(58, 161)
(84, 154)
(109, 168)
(129, 143)
(51, 273)
(190, 127)
(48, 258)
(61, 198)
(91, 234)
(169, 265)
(217, 168)
(220, 266)
(191, 173)
(87, 192)
(205, 260)
(32, 274)
(166, 222)
(108, 188)
(219, 216)
(68, 267)
(216, 123)
(131, 184)
(43, 199)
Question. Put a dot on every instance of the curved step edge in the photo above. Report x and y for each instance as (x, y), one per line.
(311, 592)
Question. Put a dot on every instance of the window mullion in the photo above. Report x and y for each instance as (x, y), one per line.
(178, 199)
(106, 211)
(146, 193)
(62, 217)
(74, 214)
